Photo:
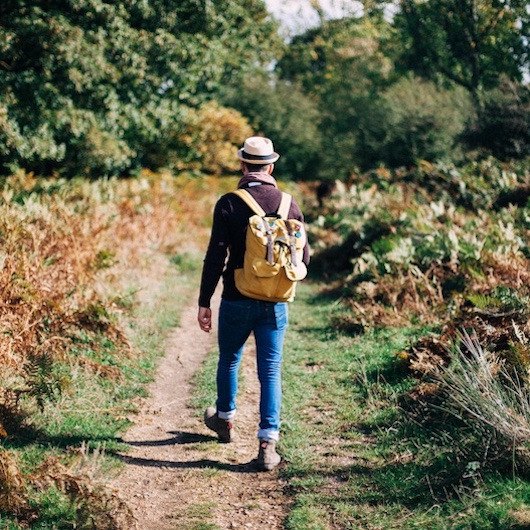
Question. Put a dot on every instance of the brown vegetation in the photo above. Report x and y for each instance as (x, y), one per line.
(68, 250)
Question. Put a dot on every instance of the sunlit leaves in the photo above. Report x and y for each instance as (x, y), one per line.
(119, 66)
(470, 42)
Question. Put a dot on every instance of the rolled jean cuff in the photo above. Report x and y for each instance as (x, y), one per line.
(226, 415)
(269, 434)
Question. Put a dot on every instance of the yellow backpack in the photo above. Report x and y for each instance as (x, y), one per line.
(273, 255)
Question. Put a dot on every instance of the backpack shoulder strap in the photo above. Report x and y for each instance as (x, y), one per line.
(250, 201)
(283, 209)
(285, 205)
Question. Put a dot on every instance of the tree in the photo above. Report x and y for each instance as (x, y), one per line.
(502, 123)
(281, 111)
(415, 120)
(343, 66)
(93, 86)
(472, 43)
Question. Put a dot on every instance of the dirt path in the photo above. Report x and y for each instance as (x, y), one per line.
(176, 474)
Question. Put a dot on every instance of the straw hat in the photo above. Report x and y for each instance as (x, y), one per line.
(258, 150)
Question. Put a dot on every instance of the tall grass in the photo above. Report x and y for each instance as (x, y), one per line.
(482, 385)
(490, 396)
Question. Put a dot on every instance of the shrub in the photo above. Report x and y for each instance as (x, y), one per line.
(415, 242)
(420, 122)
(502, 123)
(214, 134)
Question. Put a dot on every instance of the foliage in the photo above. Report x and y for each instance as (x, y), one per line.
(502, 124)
(341, 65)
(444, 245)
(480, 385)
(413, 242)
(413, 121)
(204, 140)
(279, 110)
(58, 241)
(85, 266)
(362, 72)
(212, 132)
(471, 43)
(92, 87)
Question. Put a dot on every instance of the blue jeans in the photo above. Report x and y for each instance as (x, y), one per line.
(268, 321)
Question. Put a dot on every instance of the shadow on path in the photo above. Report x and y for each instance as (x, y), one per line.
(179, 437)
(182, 438)
(248, 467)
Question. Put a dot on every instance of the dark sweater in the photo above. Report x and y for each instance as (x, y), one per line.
(230, 220)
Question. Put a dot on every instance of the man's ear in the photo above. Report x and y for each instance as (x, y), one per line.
(270, 169)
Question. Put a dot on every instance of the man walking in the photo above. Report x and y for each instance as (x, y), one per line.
(239, 315)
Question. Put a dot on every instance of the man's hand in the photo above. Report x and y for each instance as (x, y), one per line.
(205, 319)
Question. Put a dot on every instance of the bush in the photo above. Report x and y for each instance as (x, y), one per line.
(502, 123)
(58, 241)
(415, 121)
(212, 136)
(483, 394)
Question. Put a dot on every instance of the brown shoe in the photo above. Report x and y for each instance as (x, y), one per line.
(268, 458)
(223, 428)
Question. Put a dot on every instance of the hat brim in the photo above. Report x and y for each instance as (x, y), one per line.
(257, 159)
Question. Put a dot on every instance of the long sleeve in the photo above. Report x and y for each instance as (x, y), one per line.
(215, 258)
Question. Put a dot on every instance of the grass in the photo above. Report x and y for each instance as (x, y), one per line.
(356, 457)
(195, 517)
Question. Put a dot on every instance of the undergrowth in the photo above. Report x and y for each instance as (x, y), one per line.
(363, 450)
(447, 248)
(91, 271)
(410, 366)
(411, 245)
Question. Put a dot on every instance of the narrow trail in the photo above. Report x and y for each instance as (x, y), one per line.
(176, 474)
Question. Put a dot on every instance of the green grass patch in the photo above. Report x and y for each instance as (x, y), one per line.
(354, 457)
(204, 391)
(195, 517)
